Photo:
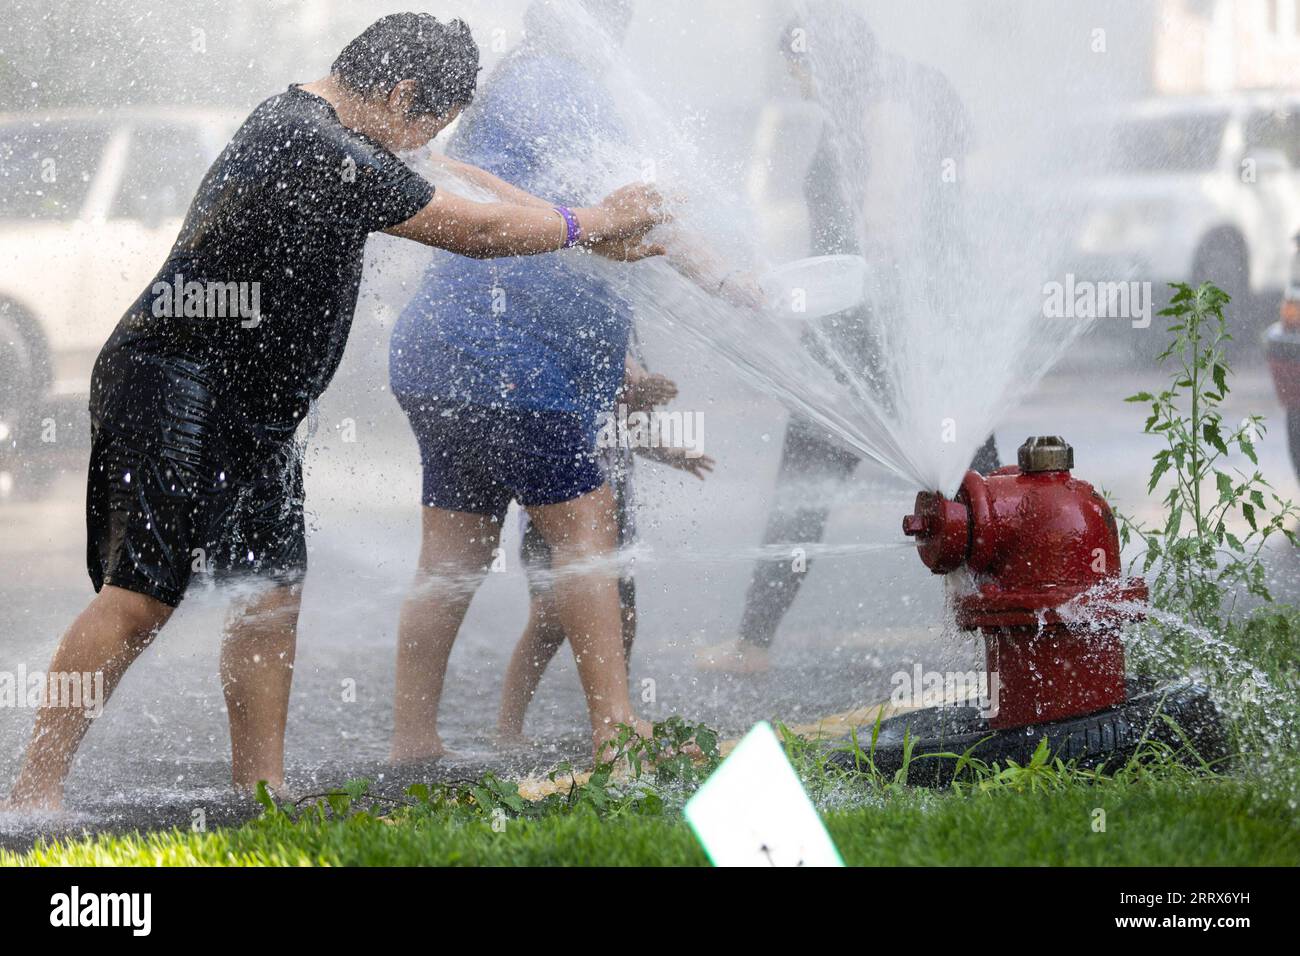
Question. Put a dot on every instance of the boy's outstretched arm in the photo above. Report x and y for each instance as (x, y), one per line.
(489, 230)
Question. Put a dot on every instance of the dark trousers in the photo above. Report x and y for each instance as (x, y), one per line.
(807, 458)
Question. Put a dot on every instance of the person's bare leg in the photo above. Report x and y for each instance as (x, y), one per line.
(257, 658)
(537, 646)
(542, 637)
(107, 636)
(454, 555)
(583, 535)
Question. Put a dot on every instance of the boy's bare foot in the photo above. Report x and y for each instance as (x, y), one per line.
(280, 792)
(510, 740)
(603, 749)
(425, 750)
(33, 803)
(733, 657)
(408, 762)
(246, 781)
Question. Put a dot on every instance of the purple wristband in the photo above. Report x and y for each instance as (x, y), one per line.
(573, 231)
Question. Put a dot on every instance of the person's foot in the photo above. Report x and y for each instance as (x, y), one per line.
(425, 750)
(511, 741)
(733, 657)
(279, 792)
(33, 803)
(603, 743)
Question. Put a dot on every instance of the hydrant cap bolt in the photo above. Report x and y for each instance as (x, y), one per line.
(1045, 453)
(913, 525)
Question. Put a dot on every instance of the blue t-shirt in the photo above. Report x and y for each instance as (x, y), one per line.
(531, 332)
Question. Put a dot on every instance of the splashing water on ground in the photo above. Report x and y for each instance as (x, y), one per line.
(1167, 644)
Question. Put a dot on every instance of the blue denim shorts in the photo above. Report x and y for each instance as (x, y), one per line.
(479, 458)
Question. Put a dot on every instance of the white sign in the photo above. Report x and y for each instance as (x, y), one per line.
(753, 810)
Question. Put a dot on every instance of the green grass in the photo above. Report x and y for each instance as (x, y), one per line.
(1219, 821)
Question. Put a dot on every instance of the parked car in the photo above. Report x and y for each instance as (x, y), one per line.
(1282, 344)
(1195, 188)
(90, 204)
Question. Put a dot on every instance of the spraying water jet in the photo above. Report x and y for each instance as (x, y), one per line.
(1042, 552)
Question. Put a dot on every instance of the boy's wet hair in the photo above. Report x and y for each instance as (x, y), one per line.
(442, 59)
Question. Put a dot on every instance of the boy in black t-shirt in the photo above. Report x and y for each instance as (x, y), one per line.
(196, 397)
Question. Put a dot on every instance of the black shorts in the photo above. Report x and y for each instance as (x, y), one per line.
(178, 489)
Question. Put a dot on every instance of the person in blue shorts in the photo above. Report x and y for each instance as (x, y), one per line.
(503, 369)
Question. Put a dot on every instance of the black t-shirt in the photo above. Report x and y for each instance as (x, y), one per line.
(259, 289)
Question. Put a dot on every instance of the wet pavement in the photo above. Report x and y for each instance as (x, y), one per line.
(160, 752)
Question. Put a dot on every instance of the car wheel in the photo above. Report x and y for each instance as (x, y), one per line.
(21, 381)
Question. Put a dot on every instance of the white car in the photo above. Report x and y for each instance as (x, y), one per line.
(1192, 189)
(90, 204)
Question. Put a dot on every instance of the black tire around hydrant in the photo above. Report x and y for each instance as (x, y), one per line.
(1103, 740)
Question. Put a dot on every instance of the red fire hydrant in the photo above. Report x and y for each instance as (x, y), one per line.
(1035, 539)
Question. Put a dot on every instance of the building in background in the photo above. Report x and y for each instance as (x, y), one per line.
(1218, 46)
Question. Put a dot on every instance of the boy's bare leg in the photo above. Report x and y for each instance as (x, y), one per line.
(537, 646)
(583, 535)
(257, 658)
(542, 637)
(454, 556)
(108, 635)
